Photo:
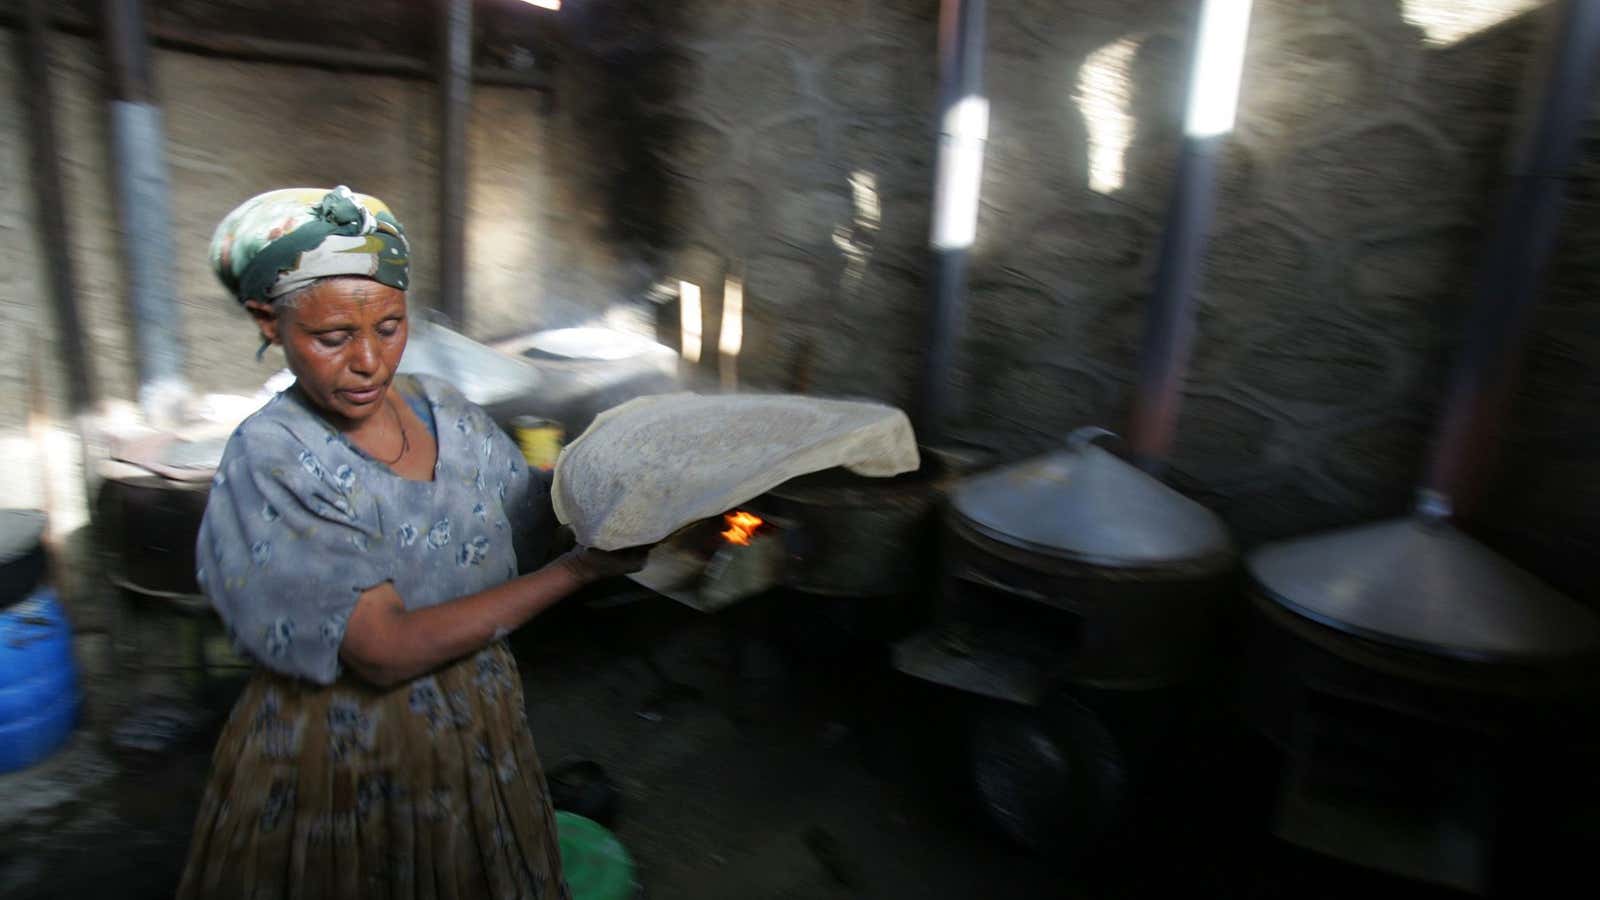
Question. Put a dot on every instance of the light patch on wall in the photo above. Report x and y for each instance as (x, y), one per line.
(19, 453)
(856, 238)
(690, 329)
(1448, 21)
(731, 341)
(61, 455)
(43, 462)
(544, 4)
(864, 194)
(1104, 96)
(1218, 62)
(498, 267)
(963, 134)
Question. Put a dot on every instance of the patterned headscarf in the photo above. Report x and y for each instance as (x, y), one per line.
(276, 242)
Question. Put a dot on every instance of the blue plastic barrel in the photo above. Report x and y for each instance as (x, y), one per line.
(39, 696)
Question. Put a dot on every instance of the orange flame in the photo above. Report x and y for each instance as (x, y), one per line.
(741, 526)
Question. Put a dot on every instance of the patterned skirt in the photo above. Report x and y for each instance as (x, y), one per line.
(430, 789)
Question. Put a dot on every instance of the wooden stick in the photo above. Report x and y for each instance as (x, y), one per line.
(316, 56)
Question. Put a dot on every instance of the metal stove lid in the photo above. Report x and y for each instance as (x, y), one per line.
(1421, 584)
(205, 453)
(485, 375)
(1084, 504)
(603, 344)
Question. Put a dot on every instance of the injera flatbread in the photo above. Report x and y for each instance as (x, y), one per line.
(651, 466)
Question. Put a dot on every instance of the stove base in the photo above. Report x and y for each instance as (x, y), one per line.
(1413, 764)
(1009, 666)
(1445, 839)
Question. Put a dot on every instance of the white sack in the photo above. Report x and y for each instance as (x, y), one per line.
(651, 466)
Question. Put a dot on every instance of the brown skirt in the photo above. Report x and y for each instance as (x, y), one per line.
(427, 790)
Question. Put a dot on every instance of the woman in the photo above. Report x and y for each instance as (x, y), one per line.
(362, 543)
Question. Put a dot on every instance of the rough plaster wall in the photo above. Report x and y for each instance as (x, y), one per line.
(1352, 200)
(378, 135)
(80, 125)
(537, 251)
(24, 324)
(236, 128)
(41, 466)
(778, 105)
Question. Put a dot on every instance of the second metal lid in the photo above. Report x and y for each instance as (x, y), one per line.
(1424, 585)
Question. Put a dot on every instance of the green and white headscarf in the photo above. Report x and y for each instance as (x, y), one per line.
(276, 242)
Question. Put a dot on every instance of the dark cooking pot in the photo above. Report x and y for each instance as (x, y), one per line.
(22, 557)
(860, 536)
(149, 525)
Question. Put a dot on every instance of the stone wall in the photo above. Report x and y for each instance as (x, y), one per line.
(786, 145)
(1353, 197)
(538, 252)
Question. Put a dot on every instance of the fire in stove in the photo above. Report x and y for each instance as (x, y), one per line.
(741, 527)
(719, 560)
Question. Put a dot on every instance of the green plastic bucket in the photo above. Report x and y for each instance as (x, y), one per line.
(596, 865)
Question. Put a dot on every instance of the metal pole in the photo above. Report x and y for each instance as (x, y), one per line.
(963, 133)
(45, 159)
(455, 98)
(1515, 257)
(1169, 321)
(128, 50)
(144, 199)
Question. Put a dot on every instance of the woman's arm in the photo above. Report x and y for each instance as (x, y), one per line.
(386, 644)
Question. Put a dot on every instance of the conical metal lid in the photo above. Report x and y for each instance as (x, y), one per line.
(1084, 504)
(1422, 584)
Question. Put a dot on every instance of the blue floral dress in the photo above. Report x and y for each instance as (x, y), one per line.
(323, 785)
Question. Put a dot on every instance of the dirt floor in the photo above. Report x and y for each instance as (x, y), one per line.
(763, 753)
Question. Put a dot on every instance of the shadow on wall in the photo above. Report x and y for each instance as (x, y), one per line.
(1083, 138)
(625, 41)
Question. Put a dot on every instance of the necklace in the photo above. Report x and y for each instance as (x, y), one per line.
(405, 440)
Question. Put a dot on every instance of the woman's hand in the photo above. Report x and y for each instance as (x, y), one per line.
(386, 644)
(589, 565)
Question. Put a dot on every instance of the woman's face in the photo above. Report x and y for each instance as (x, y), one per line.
(343, 339)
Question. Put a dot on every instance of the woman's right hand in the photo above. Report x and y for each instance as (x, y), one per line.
(590, 565)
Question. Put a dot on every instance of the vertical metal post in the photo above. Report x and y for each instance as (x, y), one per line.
(45, 158)
(144, 199)
(455, 99)
(1519, 247)
(963, 134)
(1169, 322)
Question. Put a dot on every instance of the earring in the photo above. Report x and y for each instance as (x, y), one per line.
(262, 350)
